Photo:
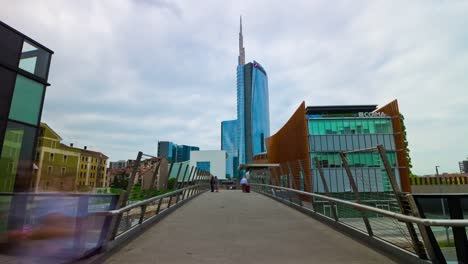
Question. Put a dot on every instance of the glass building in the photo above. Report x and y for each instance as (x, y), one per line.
(334, 129)
(173, 152)
(253, 115)
(229, 144)
(204, 166)
(24, 70)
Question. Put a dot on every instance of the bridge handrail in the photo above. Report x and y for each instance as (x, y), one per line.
(143, 202)
(398, 216)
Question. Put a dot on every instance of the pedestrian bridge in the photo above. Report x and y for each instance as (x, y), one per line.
(236, 227)
(272, 224)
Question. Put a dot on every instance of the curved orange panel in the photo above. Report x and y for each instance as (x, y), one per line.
(290, 148)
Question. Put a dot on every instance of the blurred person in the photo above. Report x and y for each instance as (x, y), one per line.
(216, 184)
(52, 235)
(212, 183)
(244, 184)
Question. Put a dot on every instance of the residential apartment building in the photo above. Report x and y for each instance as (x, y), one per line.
(66, 168)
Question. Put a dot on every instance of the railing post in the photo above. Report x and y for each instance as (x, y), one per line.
(188, 183)
(175, 185)
(430, 242)
(311, 185)
(293, 183)
(183, 183)
(417, 245)
(195, 179)
(356, 192)
(155, 173)
(287, 184)
(123, 198)
(459, 232)
(325, 187)
(159, 206)
(142, 214)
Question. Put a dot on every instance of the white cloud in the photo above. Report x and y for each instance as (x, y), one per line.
(128, 73)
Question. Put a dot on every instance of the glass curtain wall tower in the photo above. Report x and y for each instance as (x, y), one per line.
(253, 116)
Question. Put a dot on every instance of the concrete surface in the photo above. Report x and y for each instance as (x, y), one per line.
(236, 227)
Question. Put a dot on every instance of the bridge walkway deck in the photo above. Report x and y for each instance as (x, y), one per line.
(236, 227)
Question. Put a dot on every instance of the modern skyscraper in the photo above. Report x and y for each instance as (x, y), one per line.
(253, 114)
(174, 152)
(229, 144)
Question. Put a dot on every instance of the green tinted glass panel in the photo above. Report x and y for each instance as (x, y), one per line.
(16, 154)
(26, 103)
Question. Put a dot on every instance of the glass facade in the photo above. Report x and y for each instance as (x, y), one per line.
(260, 109)
(204, 165)
(34, 60)
(252, 110)
(240, 113)
(27, 100)
(22, 91)
(173, 152)
(329, 136)
(349, 126)
(229, 144)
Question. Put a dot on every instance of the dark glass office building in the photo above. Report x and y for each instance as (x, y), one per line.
(24, 70)
(253, 114)
(174, 152)
(229, 144)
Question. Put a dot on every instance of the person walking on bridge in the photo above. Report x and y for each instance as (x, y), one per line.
(216, 184)
(212, 183)
(244, 184)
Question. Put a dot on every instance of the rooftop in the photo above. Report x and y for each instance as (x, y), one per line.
(339, 109)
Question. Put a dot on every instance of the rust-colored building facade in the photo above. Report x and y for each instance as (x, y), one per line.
(323, 132)
(289, 147)
(392, 110)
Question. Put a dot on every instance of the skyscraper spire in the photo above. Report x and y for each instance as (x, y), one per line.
(241, 45)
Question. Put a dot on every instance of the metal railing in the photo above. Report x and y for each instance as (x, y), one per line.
(422, 223)
(138, 213)
(368, 200)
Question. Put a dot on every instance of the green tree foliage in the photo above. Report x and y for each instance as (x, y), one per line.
(405, 142)
(171, 184)
(120, 181)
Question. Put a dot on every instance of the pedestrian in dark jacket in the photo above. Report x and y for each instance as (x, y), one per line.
(212, 183)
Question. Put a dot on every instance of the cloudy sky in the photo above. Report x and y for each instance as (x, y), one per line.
(126, 74)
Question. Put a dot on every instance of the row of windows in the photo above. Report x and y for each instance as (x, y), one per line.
(350, 126)
(362, 159)
(50, 170)
(52, 157)
(95, 160)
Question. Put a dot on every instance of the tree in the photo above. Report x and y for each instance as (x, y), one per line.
(171, 183)
(120, 181)
(405, 143)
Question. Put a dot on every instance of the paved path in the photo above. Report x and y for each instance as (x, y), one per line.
(235, 227)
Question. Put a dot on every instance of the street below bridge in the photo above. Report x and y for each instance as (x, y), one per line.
(236, 227)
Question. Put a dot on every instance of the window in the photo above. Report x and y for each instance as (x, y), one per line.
(38, 155)
(17, 154)
(62, 172)
(50, 169)
(65, 158)
(51, 157)
(204, 165)
(34, 60)
(27, 99)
